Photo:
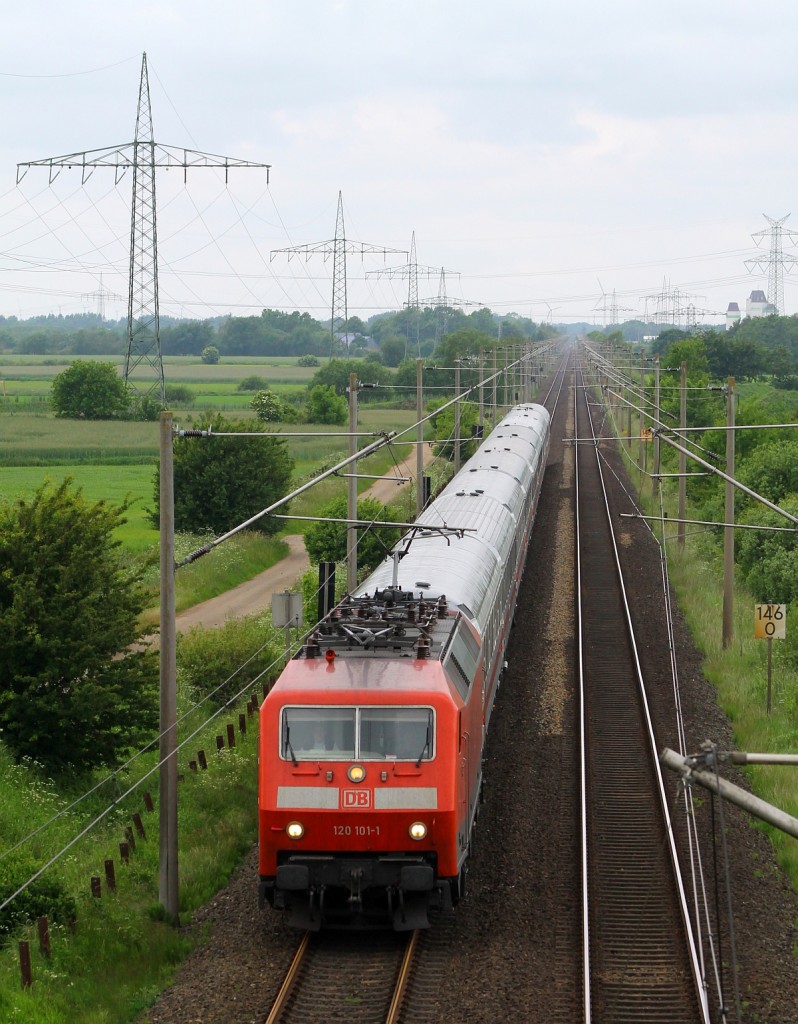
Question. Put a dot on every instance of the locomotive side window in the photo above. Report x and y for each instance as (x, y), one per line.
(404, 734)
(318, 732)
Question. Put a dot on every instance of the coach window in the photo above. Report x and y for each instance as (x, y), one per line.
(402, 734)
(318, 732)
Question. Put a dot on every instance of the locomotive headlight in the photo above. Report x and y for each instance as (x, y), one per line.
(356, 773)
(295, 829)
(417, 830)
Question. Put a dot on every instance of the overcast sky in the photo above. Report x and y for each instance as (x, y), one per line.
(543, 154)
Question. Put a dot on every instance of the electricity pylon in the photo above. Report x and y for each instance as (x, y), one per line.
(443, 304)
(143, 155)
(775, 261)
(338, 248)
(671, 307)
(411, 271)
(101, 295)
(610, 308)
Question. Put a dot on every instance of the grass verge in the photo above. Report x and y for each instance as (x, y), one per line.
(121, 952)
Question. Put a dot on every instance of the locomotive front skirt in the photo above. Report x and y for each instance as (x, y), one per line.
(371, 740)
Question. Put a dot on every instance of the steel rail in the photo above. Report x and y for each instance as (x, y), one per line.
(402, 980)
(288, 982)
(583, 839)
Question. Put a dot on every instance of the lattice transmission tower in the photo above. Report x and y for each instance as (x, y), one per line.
(143, 155)
(412, 271)
(775, 260)
(670, 306)
(338, 247)
(101, 296)
(610, 308)
(444, 304)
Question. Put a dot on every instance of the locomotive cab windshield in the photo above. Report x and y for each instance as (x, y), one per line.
(358, 733)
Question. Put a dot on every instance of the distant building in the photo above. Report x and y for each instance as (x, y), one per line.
(758, 305)
(733, 315)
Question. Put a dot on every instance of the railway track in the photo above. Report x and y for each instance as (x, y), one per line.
(359, 978)
(638, 955)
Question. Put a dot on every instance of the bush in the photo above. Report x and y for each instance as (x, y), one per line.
(222, 481)
(267, 406)
(210, 354)
(324, 406)
(326, 541)
(206, 658)
(179, 393)
(307, 361)
(68, 605)
(253, 383)
(89, 390)
(144, 408)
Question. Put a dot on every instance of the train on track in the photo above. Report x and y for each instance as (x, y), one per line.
(372, 738)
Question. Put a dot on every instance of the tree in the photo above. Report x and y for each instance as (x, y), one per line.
(771, 469)
(89, 390)
(210, 354)
(252, 383)
(266, 406)
(68, 606)
(768, 560)
(335, 373)
(326, 542)
(443, 424)
(393, 350)
(325, 406)
(461, 344)
(692, 351)
(220, 482)
(187, 339)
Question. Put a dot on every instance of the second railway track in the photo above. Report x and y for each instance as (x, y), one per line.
(637, 950)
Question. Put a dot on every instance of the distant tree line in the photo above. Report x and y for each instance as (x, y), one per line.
(756, 347)
(386, 337)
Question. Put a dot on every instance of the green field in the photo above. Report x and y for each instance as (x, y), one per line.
(112, 484)
(25, 380)
(116, 461)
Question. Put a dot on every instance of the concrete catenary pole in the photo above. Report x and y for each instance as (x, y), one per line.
(351, 531)
(495, 382)
(641, 418)
(457, 418)
(481, 391)
(657, 417)
(680, 531)
(728, 533)
(167, 875)
(419, 436)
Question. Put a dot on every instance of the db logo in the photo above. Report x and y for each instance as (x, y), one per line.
(357, 797)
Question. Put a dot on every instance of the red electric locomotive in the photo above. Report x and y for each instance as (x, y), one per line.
(371, 740)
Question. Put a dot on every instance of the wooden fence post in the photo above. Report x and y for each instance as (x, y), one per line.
(24, 964)
(44, 936)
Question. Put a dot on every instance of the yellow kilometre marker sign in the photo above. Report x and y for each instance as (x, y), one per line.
(770, 621)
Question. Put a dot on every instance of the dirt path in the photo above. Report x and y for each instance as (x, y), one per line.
(255, 595)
